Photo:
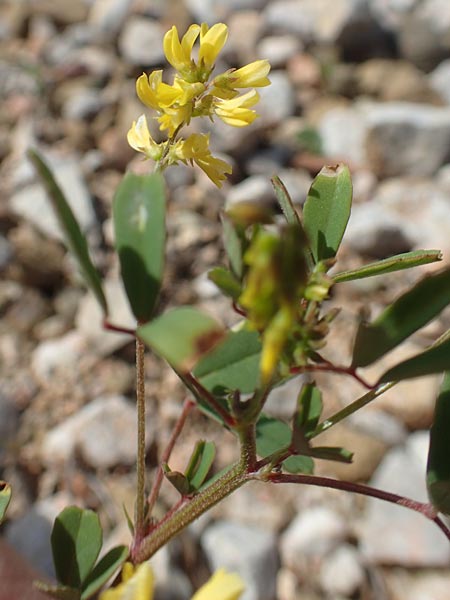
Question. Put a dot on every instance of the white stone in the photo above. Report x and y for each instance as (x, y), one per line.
(31, 202)
(89, 319)
(392, 534)
(249, 551)
(55, 354)
(108, 15)
(277, 101)
(343, 133)
(141, 42)
(278, 49)
(341, 572)
(313, 533)
(440, 80)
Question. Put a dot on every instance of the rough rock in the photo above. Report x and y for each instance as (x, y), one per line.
(31, 202)
(341, 573)
(440, 80)
(343, 133)
(279, 49)
(277, 101)
(407, 138)
(108, 16)
(140, 42)
(255, 188)
(103, 433)
(313, 533)
(391, 534)
(55, 354)
(89, 319)
(375, 232)
(249, 551)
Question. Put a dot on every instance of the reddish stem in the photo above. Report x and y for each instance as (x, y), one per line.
(117, 328)
(239, 310)
(425, 509)
(154, 492)
(327, 366)
(209, 399)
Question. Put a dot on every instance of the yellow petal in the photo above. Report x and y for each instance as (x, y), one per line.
(173, 50)
(252, 75)
(221, 586)
(138, 586)
(140, 139)
(211, 42)
(188, 41)
(145, 92)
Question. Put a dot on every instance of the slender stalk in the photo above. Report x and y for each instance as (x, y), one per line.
(117, 328)
(201, 392)
(329, 367)
(140, 458)
(351, 408)
(187, 407)
(187, 510)
(425, 509)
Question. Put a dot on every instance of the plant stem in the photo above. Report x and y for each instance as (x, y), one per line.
(329, 367)
(351, 408)
(427, 510)
(188, 510)
(140, 458)
(201, 392)
(117, 328)
(187, 407)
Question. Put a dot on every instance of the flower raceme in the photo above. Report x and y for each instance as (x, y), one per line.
(192, 95)
(138, 584)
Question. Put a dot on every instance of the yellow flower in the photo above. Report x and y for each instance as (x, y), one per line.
(196, 149)
(140, 139)
(138, 583)
(252, 75)
(212, 41)
(178, 53)
(221, 586)
(156, 94)
(237, 111)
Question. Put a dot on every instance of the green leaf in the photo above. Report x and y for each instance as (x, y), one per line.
(327, 210)
(5, 498)
(273, 435)
(178, 480)
(60, 592)
(291, 216)
(103, 570)
(398, 262)
(309, 409)
(200, 463)
(332, 453)
(234, 245)
(182, 336)
(139, 212)
(75, 239)
(434, 360)
(438, 466)
(232, 365)
(285, 202)
(407, 314)
(299, 464)
(226, 282)
(76, 542)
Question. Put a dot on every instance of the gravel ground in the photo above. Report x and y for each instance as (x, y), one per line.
(362, 81)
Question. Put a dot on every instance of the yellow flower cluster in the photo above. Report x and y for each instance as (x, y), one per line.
(194, 94)
(138, 583)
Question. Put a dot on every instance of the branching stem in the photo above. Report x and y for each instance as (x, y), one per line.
(427, 510)
(153, 496)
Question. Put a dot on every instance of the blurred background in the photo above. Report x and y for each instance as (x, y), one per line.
(361, 81)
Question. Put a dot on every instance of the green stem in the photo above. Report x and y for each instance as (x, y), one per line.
(188, 510)
(351, 408)
(140, 459)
